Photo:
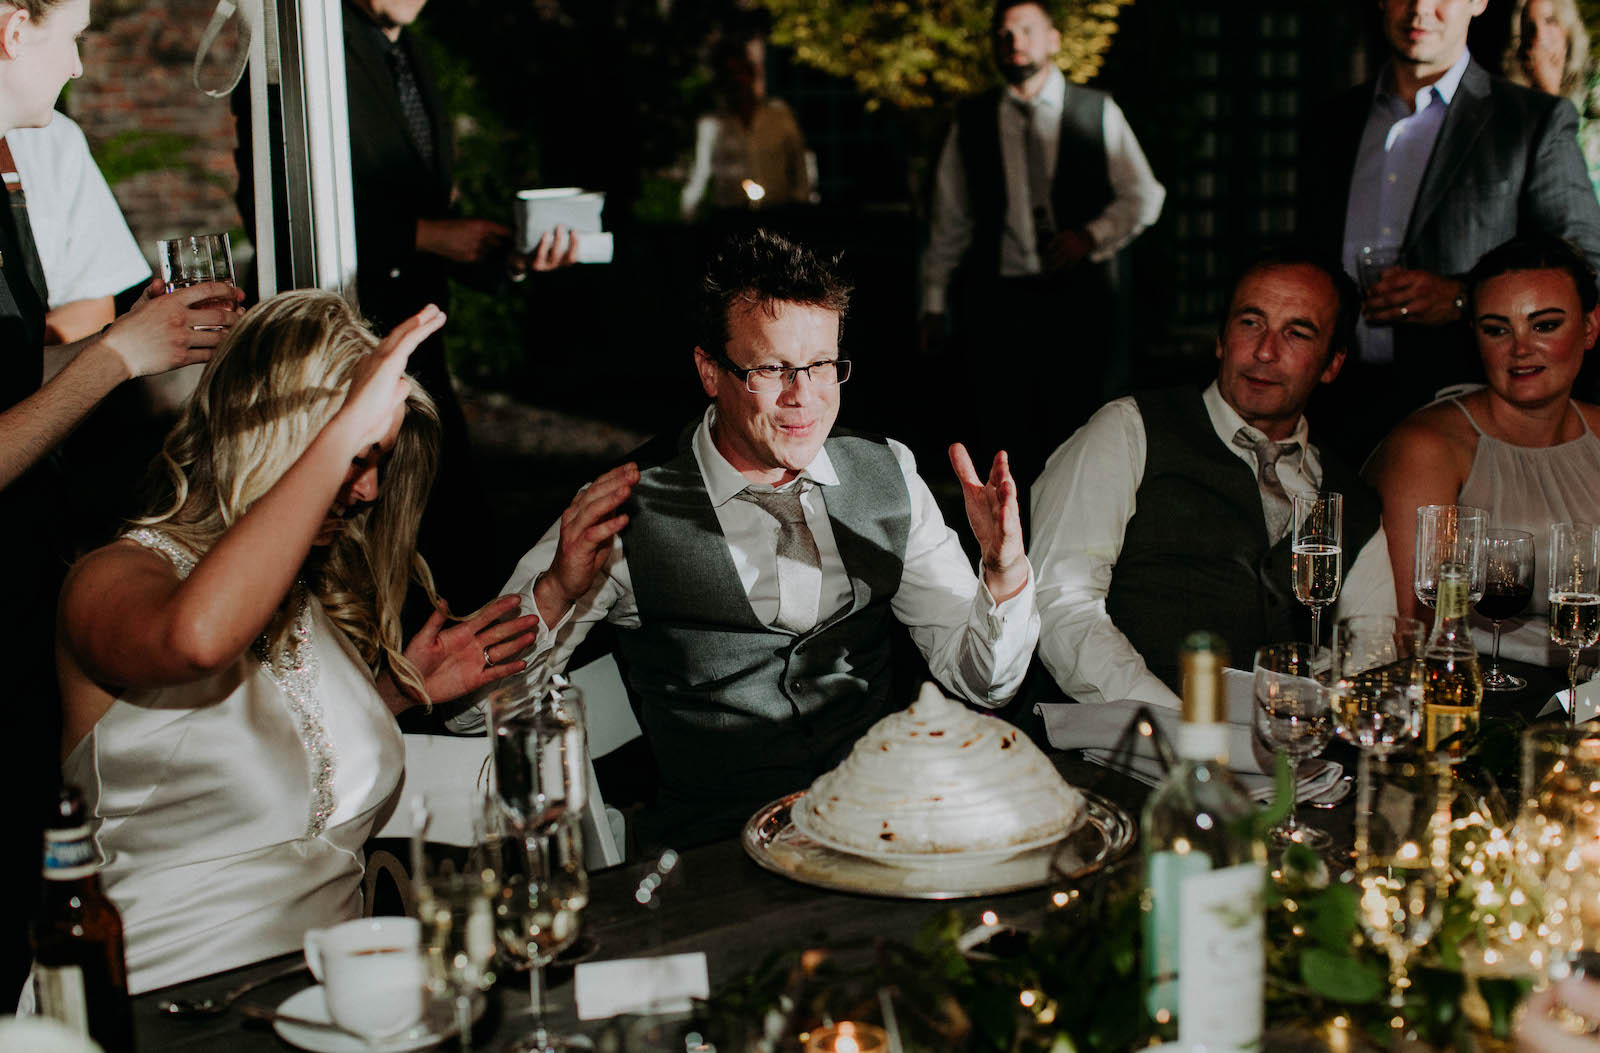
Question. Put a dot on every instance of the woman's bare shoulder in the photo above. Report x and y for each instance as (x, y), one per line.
(1433, 439)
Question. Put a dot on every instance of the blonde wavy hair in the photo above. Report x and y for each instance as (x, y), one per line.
(268, 390)
(1575, 72)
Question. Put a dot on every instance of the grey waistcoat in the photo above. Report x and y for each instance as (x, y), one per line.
(738, 713)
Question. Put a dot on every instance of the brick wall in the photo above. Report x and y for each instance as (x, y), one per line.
(138, 106)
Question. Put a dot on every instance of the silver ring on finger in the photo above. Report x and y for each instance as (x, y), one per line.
(487, 661)
(1404, 310)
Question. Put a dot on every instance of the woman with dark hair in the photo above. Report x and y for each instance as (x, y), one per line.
(1521, 446)
(230, 668)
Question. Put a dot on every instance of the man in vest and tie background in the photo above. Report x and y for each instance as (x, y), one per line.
(1170, 510)
(754, 564)
(1040, 184)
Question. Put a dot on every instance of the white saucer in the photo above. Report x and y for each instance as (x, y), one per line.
(313, 1005)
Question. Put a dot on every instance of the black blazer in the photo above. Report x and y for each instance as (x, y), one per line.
(1506, 162)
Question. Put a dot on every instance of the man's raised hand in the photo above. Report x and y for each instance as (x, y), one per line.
(587, 527)
(996, 522)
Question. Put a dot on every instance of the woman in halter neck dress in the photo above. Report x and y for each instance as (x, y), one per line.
(1520, 447)
(230, 668)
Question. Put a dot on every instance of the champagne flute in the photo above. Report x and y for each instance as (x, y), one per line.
(540, 754)
(456, 907)
(1574, 595)
(1558, 836)
(1507, 589)
(1292, 714)
(195, 260)
(540, 915)
(1376, 692)
(1448, 534)
(1401, 859)
(1317, 553)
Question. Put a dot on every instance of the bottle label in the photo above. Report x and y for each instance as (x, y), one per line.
(1221, 958)
(60, 994)
(69, 854)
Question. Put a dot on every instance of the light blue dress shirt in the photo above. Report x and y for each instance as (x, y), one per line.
(1395, 147)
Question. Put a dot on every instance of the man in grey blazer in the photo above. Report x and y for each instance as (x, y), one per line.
(752, 564)
(1421, 171)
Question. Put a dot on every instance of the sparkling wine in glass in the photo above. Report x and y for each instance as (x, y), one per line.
(1317, 552)
(1377, 685)
(195, 260)
(1448, 534)
(1292, 714)
(455, 904)
(1401, 859)
(1507, 590)
(539, 916)
(540, 754)
(1574, 594)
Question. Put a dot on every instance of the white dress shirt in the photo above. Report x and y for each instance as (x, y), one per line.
(770, 151)
(978, 647)
(1081, 507)
(1136, 202)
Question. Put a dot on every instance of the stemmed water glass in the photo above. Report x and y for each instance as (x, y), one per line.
(540, 916)
(456, 905)
(1574, 595)
(1317, 552)
(1401, 859)
(1292, 714)
(1376, 690)
(1448, 534)
(1507, 588)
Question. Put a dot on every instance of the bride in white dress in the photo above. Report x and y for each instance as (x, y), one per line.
(230, 669)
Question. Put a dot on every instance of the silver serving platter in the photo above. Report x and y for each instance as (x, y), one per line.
(772, 840)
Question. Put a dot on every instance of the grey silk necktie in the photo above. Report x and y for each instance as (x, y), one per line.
(410, 98)
(1275, 502)
(1040, 207)
(799, 562)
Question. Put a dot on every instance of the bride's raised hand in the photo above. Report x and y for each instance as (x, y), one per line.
(379, 387)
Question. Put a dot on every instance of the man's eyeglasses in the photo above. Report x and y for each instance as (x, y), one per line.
(764, 380)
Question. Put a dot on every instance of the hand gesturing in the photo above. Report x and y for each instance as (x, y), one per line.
(462, 658)
(996, 522)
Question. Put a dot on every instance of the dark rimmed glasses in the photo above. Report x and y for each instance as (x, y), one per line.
(766, 380)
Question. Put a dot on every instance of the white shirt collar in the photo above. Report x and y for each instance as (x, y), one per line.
(1446, 85)
(724, 482)
(1227, 422)
(1052, 96)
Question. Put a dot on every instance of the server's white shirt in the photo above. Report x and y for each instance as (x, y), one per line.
(1136, 202)
(1082, 503)
(84, 243)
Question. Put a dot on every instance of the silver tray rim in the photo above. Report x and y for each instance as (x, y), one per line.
(1116, 827)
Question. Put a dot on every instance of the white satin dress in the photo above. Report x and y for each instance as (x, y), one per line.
(232, 811)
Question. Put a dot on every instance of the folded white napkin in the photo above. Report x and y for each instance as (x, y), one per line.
(640, 985)
(1097, 729)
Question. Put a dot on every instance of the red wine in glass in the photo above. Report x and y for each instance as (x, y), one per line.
(1504, 599)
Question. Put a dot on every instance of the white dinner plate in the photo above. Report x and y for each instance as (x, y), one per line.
(313, 1005)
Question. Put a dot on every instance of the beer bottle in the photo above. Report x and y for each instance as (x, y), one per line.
(80, 976)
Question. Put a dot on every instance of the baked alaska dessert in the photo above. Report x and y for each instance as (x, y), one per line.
(937, 777)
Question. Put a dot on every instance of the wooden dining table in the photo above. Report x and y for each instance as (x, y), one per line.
(720, 902)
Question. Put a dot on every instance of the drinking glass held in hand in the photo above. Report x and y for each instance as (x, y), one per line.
(456, 903)
(1401, 859)
(539, 916)
(1292, 714)
(195, 260)
(1574, 594)
(1317, 553)
(1376, 690)
(1507, 588)
(1448, 534)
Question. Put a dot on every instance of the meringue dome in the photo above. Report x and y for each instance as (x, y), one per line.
(937, 777)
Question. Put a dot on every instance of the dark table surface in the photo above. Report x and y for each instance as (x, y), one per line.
(720, 902)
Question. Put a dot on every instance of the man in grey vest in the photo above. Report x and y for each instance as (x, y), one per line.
(1169, 511)
(753, 563)
(1039, 186)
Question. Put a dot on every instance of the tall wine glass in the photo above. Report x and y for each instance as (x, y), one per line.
(1401, 859)
(540, 753)
(1317, 553)
(1376, 691)
(1507, 588)
(540, 919)
(455, 904)
(1574, 595)
(1558, 836)
(1293, 715)
(1448, 534)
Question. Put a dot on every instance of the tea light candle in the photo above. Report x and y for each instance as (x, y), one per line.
(848, 1037)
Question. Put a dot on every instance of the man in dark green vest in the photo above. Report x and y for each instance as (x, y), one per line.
(1040, 185)
(1170, 510)
(753, 563)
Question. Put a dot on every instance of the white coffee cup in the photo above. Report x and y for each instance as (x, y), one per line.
(372, 973)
